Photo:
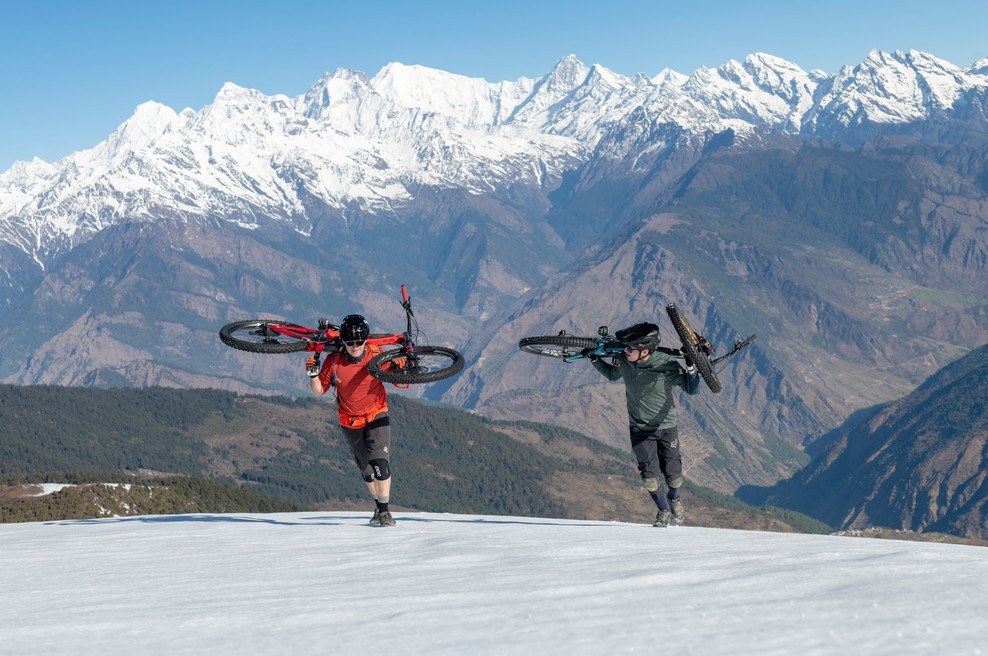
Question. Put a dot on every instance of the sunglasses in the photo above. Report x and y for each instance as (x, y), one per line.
(629, 350)
(358, 342)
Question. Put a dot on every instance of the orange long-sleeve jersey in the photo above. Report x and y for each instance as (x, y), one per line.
(359, 396)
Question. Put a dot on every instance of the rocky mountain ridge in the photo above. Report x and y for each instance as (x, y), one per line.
(917, 463)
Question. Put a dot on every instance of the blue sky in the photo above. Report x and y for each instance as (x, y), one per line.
(72, 71)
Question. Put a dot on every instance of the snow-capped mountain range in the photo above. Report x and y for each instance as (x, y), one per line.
(354, 141)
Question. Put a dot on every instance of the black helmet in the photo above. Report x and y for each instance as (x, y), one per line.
(640, 336)
(354, 328)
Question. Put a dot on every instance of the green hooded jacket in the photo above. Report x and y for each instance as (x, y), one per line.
(648, 387)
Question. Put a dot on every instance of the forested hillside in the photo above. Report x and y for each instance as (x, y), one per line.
(92, 496)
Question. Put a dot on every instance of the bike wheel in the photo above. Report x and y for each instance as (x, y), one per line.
(266, 336)
(556, 346)
(425, 364)
(691, 348)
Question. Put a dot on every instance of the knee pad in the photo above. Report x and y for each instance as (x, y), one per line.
(380, 469)
(675, 481)
(650, 484)
(368, 477)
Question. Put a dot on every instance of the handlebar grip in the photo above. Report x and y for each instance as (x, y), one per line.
(404, 294)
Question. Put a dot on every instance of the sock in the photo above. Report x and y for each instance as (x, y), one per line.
(383, 505)
(660, 500)
(673, 493)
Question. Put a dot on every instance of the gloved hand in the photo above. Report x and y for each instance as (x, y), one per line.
(688, 363)
(312, 366)
(589, 354)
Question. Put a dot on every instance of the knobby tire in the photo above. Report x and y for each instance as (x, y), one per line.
(426, 364)
(256, 336)
(556, 346)
(691, 349)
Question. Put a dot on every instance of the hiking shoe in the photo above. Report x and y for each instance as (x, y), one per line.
(386, 519)
(376, 519)
(678, 514)
(662, 518)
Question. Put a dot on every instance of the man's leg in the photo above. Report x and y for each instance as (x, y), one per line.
(644, 446)
(378, 434)
(376, 475)
(380, 490)
(671, 464)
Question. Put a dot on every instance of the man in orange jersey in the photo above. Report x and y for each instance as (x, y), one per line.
(363, 408)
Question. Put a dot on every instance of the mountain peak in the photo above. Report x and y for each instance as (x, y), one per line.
(153, 112)
(670, 78)
(230, 91)
(468, 100)
(147, 123)
(914, 59)
(396, 75)
(761, 60)
(601, 75)
(341, 87)
(568, 72)
(896, 87)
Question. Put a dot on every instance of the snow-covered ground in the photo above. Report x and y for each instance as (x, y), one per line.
(326, 583)
(50, 488)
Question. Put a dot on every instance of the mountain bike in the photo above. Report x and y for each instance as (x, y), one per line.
(410, 362)
(695, 347)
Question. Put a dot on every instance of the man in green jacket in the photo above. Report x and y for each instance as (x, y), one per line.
(650, 373)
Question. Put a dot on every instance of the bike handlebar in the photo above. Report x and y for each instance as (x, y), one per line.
(738, 345)
(330, 332)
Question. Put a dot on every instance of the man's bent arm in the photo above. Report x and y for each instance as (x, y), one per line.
(609, 371)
